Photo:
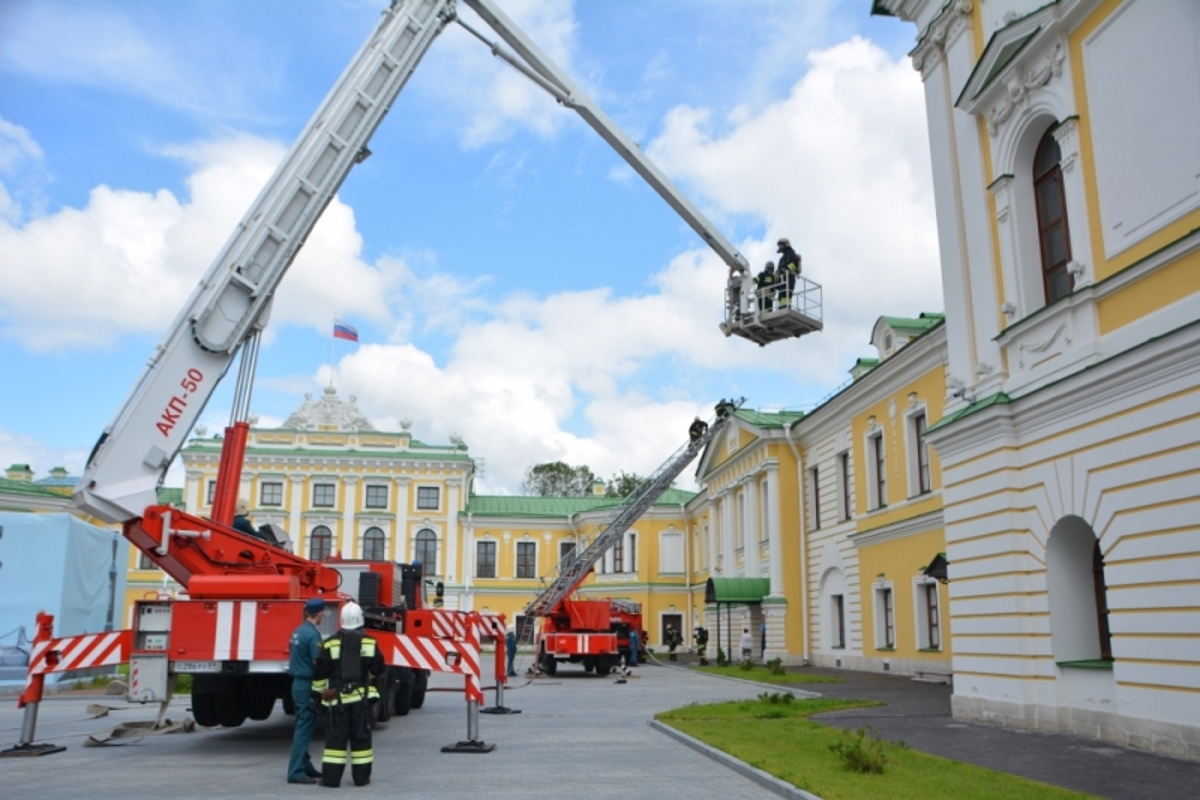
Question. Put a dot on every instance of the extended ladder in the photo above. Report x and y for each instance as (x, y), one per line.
(627, 512)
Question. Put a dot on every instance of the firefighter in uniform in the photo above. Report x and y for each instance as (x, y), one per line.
(347, 665)
(303, 647)
(701, 637)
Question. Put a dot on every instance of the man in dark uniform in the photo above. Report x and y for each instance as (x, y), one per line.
(765, 281)
(347, 664)
(303, 648)
(701, 637)
(698, 428)
(673, 640)
(789, 268)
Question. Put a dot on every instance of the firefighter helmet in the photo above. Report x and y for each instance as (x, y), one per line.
(784, 242)
(352, 617)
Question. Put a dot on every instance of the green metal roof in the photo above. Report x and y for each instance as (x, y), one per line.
(927, 320)
(558, 507)
(27, 488)
(768, 419)
(170, 496)
(736, 590)
(997, 399)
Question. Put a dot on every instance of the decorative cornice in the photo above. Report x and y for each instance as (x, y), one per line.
(932, 521)
(1021, 84)
(942, 32)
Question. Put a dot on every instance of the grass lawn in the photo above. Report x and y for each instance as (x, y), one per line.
(763, 675)
(780, 739)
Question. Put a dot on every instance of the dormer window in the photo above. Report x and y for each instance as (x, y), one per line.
(887, 342)
(1053, 236)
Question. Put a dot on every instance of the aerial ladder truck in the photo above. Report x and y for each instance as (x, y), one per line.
(244, 595)
(596, 632)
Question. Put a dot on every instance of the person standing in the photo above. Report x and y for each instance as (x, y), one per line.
(510, 648)
(700, 635)
(762, 630)
(765, 281)
(789, 269)
(634, 644)
(747, 644)
(302, 649)
(347, 664)
(241, 519)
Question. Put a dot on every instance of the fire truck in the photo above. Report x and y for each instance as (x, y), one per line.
(245, 595)
(596, 633)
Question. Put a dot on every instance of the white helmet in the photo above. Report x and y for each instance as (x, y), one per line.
(352, 616)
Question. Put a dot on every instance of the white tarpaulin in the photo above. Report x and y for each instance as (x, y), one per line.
(59, 564)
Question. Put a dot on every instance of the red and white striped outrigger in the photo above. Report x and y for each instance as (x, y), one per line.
(452, 645)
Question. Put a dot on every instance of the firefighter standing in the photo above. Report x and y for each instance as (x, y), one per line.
(701, 637)
(673, 640)
(789, 268)
(303, 647)
(347, 665)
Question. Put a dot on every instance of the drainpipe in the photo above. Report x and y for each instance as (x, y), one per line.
(787, 431)
(687, 566)
(468, 567)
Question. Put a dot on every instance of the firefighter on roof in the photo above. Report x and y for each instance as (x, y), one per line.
(347, 665)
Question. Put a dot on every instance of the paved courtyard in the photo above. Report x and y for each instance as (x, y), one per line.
(578, 734)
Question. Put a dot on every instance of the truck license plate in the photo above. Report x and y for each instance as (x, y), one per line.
(197, 666)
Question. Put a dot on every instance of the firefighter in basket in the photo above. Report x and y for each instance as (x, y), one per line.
(347, 664)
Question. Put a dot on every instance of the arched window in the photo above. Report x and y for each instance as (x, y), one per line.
(1053, 236)
(374, 545)
(1078, 593)
(426, 551)
(320, 544)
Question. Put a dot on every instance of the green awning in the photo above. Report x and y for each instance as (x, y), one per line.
(736, 590)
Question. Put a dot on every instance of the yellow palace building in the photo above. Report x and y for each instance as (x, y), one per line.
(1065, 160)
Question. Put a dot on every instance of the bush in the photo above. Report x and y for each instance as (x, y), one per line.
(775, 665)
(721, 659)
(746, 664)
(861, 751)
(777, 698)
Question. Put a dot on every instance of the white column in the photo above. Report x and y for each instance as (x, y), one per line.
(751, 535)
(468, 564)
(402, 553)
(349, 502)
(728, 543)
(453, 568)
(295, 508)
(771, 525)
(193, 490)
(244, 487)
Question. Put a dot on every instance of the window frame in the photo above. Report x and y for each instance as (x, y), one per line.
(318, 489)
(422, 494)
(1052, 176)
(837, 626)
(421, 545)
(877, 469)
(482, 545)
(814, 479)
(846, 509)
(212, 491)
(263, 500)
(320, 533)
(377, 487)
(376, 542)
(885, 616)
(525, 567)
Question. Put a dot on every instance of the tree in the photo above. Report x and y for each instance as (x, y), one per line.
(624, 484)
(558, 479)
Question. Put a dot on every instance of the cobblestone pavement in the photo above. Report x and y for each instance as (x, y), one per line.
(578, 734)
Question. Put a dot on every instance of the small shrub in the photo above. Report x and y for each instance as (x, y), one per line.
(861, 751)
(746, 665)
(721, 659)
(775, 665)
(777, 698)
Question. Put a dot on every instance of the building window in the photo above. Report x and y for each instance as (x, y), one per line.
(885, 618)
(844, 476)
(426, 550)
(324, 495)
(1079, 627)
(485, 559)
(526, 559)
(920, 455)
(566, 553)
(270, 494)
(377, 496)
(144, 562)
(212, 491)
(618, 554)
(814, 480)
(839, 620)
(320, 544)
(1100, 589)
(878, 471)
(631, 552)
(739, 524)
(1053, 237)
(427, 498)
(374, 545)
(933, 623)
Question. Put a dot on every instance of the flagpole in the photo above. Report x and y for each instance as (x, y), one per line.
(332, 344)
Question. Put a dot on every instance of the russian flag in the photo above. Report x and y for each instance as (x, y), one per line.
(343, 331)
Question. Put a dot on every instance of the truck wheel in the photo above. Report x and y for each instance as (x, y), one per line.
(404, 694)
(420, 684)
(549, 665)
(589, 665)
(204, 709)
(230, 712)
(258, 706)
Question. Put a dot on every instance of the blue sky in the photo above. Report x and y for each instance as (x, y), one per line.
(511, 280)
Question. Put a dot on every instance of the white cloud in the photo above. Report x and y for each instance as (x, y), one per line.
(127, 260)
(17, 146)
(18, 448)
(490, 96)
